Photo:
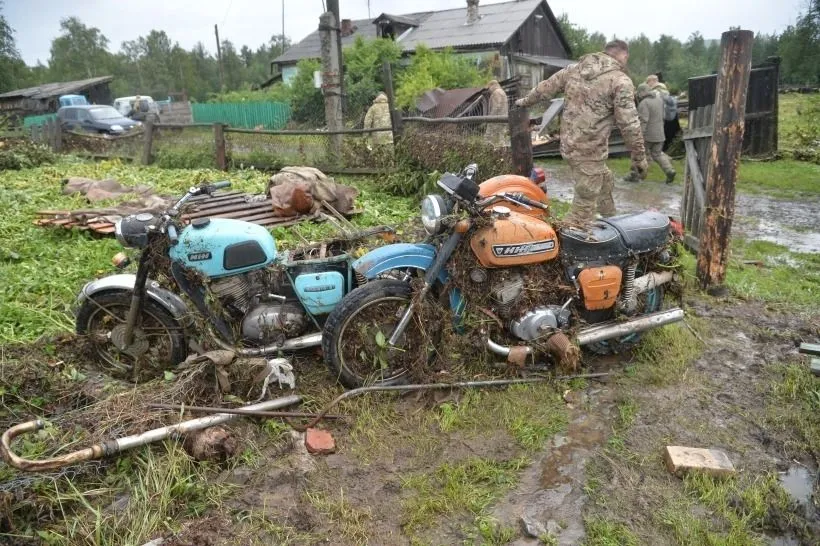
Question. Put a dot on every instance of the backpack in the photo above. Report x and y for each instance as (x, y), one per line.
(670, 108)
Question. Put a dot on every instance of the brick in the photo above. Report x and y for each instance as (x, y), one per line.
(680, 459)
(319, 441)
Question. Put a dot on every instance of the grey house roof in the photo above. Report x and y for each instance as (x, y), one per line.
(436, 30)
(49, 90)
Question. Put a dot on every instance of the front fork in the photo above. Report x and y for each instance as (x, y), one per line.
(430, 276)
(137, 299)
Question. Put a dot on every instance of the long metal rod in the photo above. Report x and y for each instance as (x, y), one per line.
(111, 447)
(240, 411)
(432, 386)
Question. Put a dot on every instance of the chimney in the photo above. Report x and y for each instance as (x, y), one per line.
(347, 27)
(472, 11)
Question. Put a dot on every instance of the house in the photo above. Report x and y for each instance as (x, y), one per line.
(519, 38)
(45, 99)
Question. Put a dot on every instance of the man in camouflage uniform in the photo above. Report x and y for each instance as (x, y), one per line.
(597, 94)
(495, 133)
(378, 116)
(650, 112)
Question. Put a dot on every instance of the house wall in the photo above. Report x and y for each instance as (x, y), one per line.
(537, 36)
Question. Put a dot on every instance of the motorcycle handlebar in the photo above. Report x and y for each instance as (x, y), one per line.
(173, 236)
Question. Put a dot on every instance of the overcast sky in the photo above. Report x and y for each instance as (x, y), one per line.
(252, 22)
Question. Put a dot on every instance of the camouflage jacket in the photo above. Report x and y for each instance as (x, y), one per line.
(598, 94)
(378, 116)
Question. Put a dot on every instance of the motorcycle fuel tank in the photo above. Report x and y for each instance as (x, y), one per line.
(512, 183)
(514, 239)
(220, 246)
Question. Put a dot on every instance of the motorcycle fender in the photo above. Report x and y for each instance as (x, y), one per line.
(125, 283)
(403, 256)
(398, 256)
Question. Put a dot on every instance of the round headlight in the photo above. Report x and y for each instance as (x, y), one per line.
(132, 231)
(432, 211)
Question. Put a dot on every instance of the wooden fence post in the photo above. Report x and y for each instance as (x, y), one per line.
(520, 141)
(395, 115)
(148, 143)
(727, 142)
(58, 136)
(219, 144)
(331, 79)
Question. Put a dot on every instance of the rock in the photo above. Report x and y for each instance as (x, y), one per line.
(214, 443)
(681, 459)
(533, 527)
(553, 528)
(319, 442)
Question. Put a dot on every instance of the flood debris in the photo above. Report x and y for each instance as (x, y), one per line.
(211, 444)
(680, 459)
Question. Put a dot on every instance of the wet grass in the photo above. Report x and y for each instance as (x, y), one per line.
(793, 408)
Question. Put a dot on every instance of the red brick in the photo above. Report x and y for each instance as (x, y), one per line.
(319, 441)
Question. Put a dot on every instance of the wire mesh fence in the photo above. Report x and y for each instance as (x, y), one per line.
(128, 147)
(181, 146)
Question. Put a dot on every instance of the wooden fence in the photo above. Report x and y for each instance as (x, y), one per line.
(698, 141)
(760, 134)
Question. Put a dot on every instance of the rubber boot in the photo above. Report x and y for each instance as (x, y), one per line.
(632, 177)
(670, 177)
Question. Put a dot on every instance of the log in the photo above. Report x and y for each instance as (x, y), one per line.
(520, 141)
(724, 157)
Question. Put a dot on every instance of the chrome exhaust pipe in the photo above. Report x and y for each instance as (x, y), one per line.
(502, 350)
(611, 330)
(651, 280)
(294, 344)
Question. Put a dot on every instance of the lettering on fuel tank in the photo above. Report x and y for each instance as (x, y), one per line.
(524, 249)
(199, 256)
(320, 288)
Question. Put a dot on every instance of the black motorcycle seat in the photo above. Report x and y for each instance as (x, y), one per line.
(641, 231)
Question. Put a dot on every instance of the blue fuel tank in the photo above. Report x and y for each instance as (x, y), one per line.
(220, 247)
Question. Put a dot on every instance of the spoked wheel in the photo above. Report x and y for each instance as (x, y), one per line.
(158, 344)
(356, 334)
(650, 301)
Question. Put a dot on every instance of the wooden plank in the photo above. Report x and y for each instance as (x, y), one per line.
(810, 349)
(259, 206)
(694, 171)
(680, 459)
(239, 214)
(215, 203)
(701, 132)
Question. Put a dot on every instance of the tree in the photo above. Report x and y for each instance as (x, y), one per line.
(580, 41)
(363, 72)
(431, 69)
(307, 104)
(79, 52)
(799, 47)
(13, 71)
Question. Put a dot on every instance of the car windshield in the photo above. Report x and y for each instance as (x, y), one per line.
(105, 112)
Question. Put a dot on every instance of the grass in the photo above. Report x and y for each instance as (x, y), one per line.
(601, 532)
(793, 408)
(464, 487)
(348, 521)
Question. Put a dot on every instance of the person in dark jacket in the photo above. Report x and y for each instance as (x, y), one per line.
(650, 113)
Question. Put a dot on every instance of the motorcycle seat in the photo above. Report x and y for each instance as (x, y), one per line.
(641, 231)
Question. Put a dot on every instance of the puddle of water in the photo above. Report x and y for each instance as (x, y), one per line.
(784, 541)
(799, 483)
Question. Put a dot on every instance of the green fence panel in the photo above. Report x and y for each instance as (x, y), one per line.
(28, 121)
(270, 115)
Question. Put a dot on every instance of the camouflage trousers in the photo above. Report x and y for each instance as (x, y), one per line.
(655, 152)
(593, 191)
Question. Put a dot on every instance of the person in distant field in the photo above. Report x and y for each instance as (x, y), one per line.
(598, 94)
(134, 109)
(378, 116)
(495, 133)
(671, 122)
(650, 113)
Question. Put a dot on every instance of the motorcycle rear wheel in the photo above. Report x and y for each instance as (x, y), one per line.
(355, 335)
(159, 340)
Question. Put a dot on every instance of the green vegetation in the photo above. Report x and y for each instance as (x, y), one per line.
(16, 154)
(601, 532)
(799, 126)
(429, 69)
(793, 408)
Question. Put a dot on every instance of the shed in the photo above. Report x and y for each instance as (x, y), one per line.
(44, 99)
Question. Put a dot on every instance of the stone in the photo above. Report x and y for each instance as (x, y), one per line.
(319, 442)
(815, 366)
(680, 459)
(533, 527)
(553, 528)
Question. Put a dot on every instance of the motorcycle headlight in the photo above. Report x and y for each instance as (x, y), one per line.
(433, 209)
(132, 231)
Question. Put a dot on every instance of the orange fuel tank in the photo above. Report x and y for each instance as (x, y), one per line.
(513, 183)
(600, 286)
(514, 239)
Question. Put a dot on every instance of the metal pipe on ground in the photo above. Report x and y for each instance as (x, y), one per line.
(114, 446)
(239, 411)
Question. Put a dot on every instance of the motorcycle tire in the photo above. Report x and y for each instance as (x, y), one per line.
(338, 340)
(96, 314)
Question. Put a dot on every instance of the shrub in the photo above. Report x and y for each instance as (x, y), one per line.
(363, 73)
(184, 159)
(259, 160)
(307, 104)
(16, 154)
(430, 69)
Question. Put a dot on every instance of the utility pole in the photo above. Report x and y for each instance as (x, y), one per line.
(283, 26)
(332, 78)
(219, 59)
(333, 6)
(724, 156)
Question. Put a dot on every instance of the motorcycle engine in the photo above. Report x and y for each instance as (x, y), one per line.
(539, 321)
(265, 316)
(506, 293)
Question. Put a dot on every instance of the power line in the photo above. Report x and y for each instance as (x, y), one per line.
(227, 11)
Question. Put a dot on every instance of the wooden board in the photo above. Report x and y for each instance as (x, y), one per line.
(680, 459)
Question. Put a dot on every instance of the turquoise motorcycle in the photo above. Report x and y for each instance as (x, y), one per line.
(249, 297)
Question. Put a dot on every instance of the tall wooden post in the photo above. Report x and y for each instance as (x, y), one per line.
(520, 141)
(58, 137)
(148, 143)
(331, 79)
(219, 146)
(724, 156)
(219, 60)
(395, 115)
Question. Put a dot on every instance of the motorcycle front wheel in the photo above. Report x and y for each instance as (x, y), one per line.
(158, 344)
(355, 338)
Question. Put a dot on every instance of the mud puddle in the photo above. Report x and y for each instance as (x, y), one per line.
(794, 224)
(550, 494)
(799, 482)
